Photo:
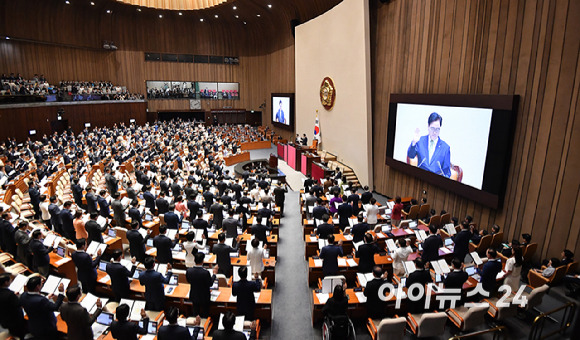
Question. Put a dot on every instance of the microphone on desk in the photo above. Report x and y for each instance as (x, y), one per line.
(423, 161)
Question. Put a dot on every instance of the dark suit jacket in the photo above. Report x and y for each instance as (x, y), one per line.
(488, 275)
(54, 211)
(78, 320)
(231, 335)
(127, 330)
(431, 247)
(40, 310)
(149, 200)
(201, 224)
(375, 306)
(230, 225)
(345, 211)
(244, 290)
(439, 163)
(366, 255)
(318, 211)
(164, 245)
(94, 230)
(260, 231)
(67, 218)
(455, 279)
(120, 278)
(173, 332)
(103, 207)
(137, 244)
(162, 205)
(461, 247)
(172, 220)
(222, 252)
(91, 202)
(421, 277)
(358, 231)
(201, 281)
(40, 253)
(86, 268)
(119, 212)
(135, 215)
(154, 290)
(330, 256)
(324, 230)
(175, 189)
(218, 214)
(77, 192)
(11, 316)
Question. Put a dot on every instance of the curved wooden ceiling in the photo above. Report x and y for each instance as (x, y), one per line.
(175, 5)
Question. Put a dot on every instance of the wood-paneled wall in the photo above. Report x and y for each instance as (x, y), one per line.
(524, 47)
(16, 122)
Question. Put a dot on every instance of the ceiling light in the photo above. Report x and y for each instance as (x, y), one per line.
(234, 8)
(237, 16)
(180, 13)
(109, 11)
(92, 3)
(269, 6)
(216, 15)
(7, 38)
(138, 9)
(67, 2)
(245, 22)
(160, 15)
(258, 15)
(201, 19)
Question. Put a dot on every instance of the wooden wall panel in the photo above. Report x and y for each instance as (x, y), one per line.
(528, 48)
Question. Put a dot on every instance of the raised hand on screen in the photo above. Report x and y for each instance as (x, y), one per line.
(417, 136)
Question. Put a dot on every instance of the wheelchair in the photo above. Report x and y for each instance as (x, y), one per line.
(338, 328)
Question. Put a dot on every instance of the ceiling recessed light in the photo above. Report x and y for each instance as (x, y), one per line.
(216, 15)
(67, 2)
(258, 15)
(269, 6)
(237, 16)
(7, 38)
(234, 8)
(109, 11)
(92, 3)
(138, 9)
(180, 13)
(161, 15)
(201, 19)
(245, 22)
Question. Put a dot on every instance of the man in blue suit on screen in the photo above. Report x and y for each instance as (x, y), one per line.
(280, 117)
(432, 153)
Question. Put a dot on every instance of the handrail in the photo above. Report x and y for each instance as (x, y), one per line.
(498, 332)
(538, 325)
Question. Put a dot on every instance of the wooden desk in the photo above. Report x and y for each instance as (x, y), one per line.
(266, 144)
(294, 153)
(280, 149)
(63, 267)
(320, 171)
(235, 159)
(315, 273)
(306, 162)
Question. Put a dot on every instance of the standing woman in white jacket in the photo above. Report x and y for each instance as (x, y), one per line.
(256, 257)
(189, 246)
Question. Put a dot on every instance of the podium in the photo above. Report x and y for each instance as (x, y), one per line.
(306, 162)
(294, 152)
(320, 171)
(281, 147)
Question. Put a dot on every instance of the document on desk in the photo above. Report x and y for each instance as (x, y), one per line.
(136, 310)
(233, 298)
(445, 250)
(151, 251)
(214, 295)
(341, 262)
(444, 266)
(322, 298)
(348, 237)
(256, 296)
(105, 279)
(313, 238)
(317, 263)
(351, 263)
(361, 297)
(208, 258)
(62, 261)
(52, 283)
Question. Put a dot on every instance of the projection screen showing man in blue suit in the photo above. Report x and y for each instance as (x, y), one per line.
(432, 153)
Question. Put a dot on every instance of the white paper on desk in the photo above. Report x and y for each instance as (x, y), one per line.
(380, 235)
(162, 268)
(17, 286)
(171, 233)
(348, 237)
(233, 298)
(62, 261)
(92, 249)
(105, 279)
(101, 221)
(313, 239)
(318, 222)
(409, 231)
(208, 257)
(352, 221)
(351, 263)
(361, 297)
(125, 201)
(256, 296)
(341, 262)
(179, 255)
(310, 209)
(322, 298)
(57, 241)
(89, 301)
(317, 263)
(230, 242)
(357, 244)
(151, 251)
(309, 222)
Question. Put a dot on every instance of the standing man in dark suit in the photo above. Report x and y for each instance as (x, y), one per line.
(103, 204)
(230, 225)
(244, 290)
(153, 282)
(345, 211)
(329, 254)
(222, 252)
(86, 267)
(122, 329)
(325, 229)
(137, 242)
(260, 230)
(149, 199)
(66, 217)
(201, 281)
(11, 317)
(228, 333)
(280, 197)
(366, 254)
(172, 220)
(77, 318)
(40, 257)
(173, 331)
(91, 200)
(200, 224)
(34, 194)
(119, 210)
(111, 182)
(461, 240)
(175, 189)
(366, 196)
(489, 272)
(7, 233)
(54, 211)
(208, 198)
(431, 245)
(455, 280)
(162, 204)
(94, 230)
(359, 230)
(77, 192)
(40, 310)
(120, 275)
(218, 212)
(164, 245)
(421, 276)
(134, 214)
(193, 206)
(320, 209)
(375, 306)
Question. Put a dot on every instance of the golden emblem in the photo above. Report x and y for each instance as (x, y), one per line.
(327, 93)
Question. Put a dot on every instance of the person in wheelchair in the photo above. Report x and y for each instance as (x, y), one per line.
(337, 325)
